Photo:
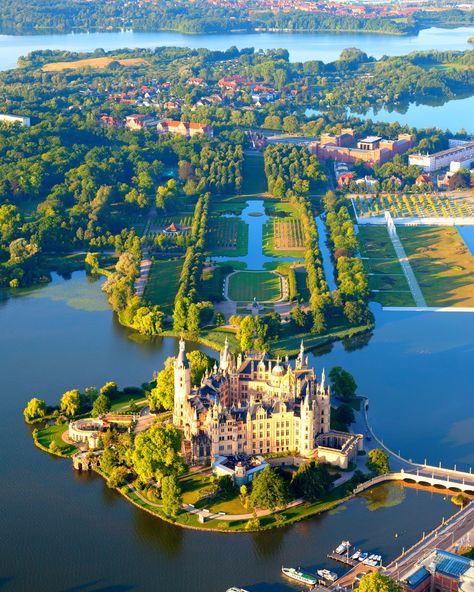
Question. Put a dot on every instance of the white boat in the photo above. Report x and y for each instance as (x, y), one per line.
(327, 575)
(363, 556)
(342, 548)
(299, 576)
(235, 589)
(356, 555)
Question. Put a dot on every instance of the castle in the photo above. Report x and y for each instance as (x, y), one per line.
(250, 405)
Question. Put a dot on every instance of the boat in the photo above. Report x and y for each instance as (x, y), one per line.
(327, 575)
(299, 576)
(342, 548)
(356, 555)
(363, 556)
(235, 589)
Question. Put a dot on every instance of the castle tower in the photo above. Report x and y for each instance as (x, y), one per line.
(324, 404)
(182, 384)
(301, 360)
(225, 356)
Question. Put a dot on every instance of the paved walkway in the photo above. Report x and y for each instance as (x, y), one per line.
(406, 267)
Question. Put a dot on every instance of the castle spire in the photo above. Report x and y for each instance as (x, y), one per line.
(323, 379)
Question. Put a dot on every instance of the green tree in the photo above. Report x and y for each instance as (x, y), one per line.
(92, 262)
(377, 582)
(162, 395)
(36, 409)
(199, 362)
(311, 480)
(118, 477)
(268, 490)
(157, 453)
(170, 495)
(108, 460)
(342, 383)
(378, 461)
(100, 406)
(70, 403)
(110, 390)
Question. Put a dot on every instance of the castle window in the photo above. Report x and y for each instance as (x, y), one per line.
(221, 448)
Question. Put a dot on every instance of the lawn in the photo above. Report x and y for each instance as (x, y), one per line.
(386, 279)
(53, 433)
(163, 283)
(255, 181)
(301, 283)
(442, 264)
(228, 237)
(244, 286)
(194, 487)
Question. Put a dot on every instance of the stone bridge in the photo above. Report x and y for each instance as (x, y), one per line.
(442, 479)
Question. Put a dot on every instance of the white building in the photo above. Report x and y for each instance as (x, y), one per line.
(24, 121)
(440, 160)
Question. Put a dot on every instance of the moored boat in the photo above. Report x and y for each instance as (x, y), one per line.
(327, 575)
(343, 547)
(235, 589)
(299, 576)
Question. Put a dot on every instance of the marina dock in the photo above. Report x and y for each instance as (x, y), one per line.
(345, 558)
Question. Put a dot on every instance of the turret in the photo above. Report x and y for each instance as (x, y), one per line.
(182, 384)
(225, 356)
(301, 360)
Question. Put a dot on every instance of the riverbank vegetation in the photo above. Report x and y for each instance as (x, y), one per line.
(206, 17)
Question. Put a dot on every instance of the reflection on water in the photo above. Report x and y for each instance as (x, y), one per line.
(384, 496)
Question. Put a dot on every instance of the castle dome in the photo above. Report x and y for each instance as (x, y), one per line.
(278, 370)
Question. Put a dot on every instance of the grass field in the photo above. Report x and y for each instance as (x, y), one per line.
(255, 181)
(283, 233)
(228, 237)
(442, 264)
(99, 63)
(384, 270)
(163, 283)
(53, 433)
(244, 286)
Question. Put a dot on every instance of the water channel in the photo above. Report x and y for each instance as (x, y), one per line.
(65, 532)
(301, 46)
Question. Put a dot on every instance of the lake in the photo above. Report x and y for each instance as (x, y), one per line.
(63, 531)
(301, 46)
(452, 115)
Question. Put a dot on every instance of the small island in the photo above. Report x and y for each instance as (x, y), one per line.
(256, 445)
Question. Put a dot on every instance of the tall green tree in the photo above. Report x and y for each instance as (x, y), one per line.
(268, 490)
(170, 495)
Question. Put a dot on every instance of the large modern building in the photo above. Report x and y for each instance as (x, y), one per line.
(441, 571)
(459, 151)
(253, 405)
(371, 150)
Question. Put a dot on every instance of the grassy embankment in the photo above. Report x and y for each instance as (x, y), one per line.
(255, 181)
(383, 268)
(442, 264)
(163, 282)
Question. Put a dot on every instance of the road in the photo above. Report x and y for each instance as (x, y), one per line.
(444, 537)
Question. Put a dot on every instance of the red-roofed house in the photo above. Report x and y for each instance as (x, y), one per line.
(184, 128)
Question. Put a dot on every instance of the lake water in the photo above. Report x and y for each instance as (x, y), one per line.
(301, 46)
(452, 115)
(62, 531)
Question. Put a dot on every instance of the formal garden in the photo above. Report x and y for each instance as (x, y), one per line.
(422, 205)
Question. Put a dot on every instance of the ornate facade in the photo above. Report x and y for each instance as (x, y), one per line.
(250, 405)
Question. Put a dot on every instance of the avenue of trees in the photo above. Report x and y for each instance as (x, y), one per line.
(353, 286)
(291, 170)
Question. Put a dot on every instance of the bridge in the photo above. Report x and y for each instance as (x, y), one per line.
(442, 479)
